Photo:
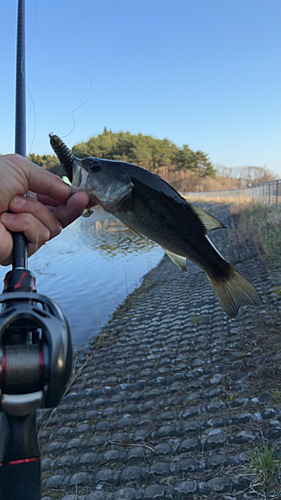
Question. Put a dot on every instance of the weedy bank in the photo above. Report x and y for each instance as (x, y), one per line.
(261, 224)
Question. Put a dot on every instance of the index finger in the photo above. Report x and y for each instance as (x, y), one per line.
(43, 182)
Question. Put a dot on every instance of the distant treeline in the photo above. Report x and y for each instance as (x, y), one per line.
(144, 150)
(48, 162)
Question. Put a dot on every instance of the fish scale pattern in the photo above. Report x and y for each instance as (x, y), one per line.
(165, 407)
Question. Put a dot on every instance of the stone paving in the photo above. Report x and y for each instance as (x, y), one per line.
(173, 397)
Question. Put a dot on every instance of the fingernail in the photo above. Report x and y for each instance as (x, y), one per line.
(19, 201)
(7, 216)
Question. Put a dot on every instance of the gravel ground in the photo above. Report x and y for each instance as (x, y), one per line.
(171, 400)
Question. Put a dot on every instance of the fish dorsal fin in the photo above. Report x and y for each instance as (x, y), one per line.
(209, 222)
(177, 259)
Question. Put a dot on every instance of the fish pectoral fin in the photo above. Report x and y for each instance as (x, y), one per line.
(177, 259)
(209, 221)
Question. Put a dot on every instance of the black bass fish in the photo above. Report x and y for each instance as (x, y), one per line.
(151, 207)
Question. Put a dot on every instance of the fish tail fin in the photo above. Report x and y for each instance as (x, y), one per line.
(234, 291)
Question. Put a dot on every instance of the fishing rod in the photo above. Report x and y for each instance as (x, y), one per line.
(35, 343)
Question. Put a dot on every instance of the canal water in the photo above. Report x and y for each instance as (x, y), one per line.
(90, 269)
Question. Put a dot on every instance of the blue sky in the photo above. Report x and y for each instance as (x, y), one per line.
(205, 73)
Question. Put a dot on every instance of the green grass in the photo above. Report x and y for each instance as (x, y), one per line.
(195, 319)
(275, 396)
(265, 467)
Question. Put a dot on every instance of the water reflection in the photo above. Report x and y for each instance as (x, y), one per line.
(90, 269)
(107, 235)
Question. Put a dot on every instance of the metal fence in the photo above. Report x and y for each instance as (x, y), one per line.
(266, 192)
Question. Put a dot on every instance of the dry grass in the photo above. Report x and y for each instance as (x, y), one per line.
(258, 223)
(264, 467)
(262, 225)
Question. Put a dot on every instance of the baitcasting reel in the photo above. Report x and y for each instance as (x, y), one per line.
(35, 348)
(35, 366)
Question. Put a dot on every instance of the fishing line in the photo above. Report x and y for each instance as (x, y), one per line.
(86, 100)
(84, 72)
(25, 79)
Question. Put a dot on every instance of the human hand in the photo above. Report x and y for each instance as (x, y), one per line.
(48, 207)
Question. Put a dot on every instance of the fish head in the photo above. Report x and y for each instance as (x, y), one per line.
(102, 181)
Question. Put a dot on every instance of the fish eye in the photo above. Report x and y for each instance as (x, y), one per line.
(95, 167)
(92, 164)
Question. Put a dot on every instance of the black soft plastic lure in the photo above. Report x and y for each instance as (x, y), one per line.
(63, 153)
(66, 158)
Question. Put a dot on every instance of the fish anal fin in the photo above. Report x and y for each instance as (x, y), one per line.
(177, 259)
(209, 221)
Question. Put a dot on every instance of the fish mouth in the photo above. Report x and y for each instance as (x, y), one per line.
(108, 190)
(79, 175)
(79, 181)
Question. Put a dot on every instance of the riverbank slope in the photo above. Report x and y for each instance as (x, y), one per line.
(170, 401)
